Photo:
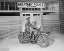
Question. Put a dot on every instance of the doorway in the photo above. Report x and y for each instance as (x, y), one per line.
(33, 17)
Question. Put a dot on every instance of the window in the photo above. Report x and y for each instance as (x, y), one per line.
(32, 9)
(27, 14)
(35, 8)
(9, 13)
(26, 9)
(38, 9)
(38, 14)
(11, 5)
(49, 13)
(6, 5)
(16, 6)
(23, 9)
(29, 9)
(2, 5)
(23, 14)
(34, 14)
(43, 8)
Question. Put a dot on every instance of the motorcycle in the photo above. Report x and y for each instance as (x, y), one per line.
(36, 36)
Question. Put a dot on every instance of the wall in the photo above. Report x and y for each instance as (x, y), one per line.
(9, 26)
(61, 15)
(51, 23)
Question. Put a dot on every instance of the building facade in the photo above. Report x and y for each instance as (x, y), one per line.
(14, 14)
(47, 18)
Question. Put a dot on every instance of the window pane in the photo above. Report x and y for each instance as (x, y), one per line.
(13, 3)
(34, 14)
(17, 6)
(23, 14)
(2, 5)
(26, 9)
(30, 9)
(46, 8)
(43, 8)
(9, 13)
(35, 8)
(10, 8)
(13, 7)
(38, 8)
(27, 14)
(38, 14)
(6, 5)
(23, 9)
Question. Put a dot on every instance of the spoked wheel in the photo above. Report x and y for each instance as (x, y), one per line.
(43, 41)
(34, 40)
(22, 41)
(51, 41)
(21, 38)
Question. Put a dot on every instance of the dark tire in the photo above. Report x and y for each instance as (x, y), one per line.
(43, 41)
(33, 42)
(21, 38)
(20, 35)
(22, 41)
(51, 41)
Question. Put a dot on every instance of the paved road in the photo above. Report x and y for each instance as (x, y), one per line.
(15, 45)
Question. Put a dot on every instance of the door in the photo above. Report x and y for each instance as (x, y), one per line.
(37, 18)
(33, 17)
(24, 17)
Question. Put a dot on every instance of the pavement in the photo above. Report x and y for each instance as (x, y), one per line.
(13, 44)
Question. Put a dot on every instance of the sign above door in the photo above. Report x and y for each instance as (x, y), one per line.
(31, 4)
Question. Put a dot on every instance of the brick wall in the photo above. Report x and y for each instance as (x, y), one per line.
(51, 23)
(9, 26)
(61, 15)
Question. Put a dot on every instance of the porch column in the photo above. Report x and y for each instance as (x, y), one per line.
(42, 19)
(20, 18)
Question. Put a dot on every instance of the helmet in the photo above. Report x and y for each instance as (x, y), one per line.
(28, 18)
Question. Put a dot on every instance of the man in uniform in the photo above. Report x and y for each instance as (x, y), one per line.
(34, 32)
(28, 24)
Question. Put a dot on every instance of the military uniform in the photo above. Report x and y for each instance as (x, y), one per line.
(28, 25)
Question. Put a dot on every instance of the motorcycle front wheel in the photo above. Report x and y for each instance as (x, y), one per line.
(43, 41)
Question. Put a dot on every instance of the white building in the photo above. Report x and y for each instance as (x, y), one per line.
(54, 7)
(46, 18)
(13, 15)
